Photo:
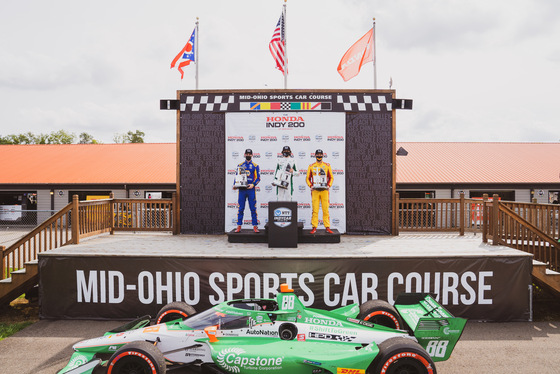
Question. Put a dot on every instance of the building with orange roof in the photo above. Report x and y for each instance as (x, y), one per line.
(515, 171)
(44, 177)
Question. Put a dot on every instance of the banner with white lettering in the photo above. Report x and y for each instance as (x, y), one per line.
(266, 133)
(481, 288)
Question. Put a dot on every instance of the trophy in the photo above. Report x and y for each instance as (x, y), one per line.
(319, 179)
(282, 177)
(240, 178)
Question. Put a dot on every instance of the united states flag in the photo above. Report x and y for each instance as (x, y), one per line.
(277, 45)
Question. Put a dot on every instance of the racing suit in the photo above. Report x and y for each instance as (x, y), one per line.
(253, 177)
(319, 197)
(285, 194)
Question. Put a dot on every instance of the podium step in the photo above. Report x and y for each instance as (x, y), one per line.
(321, 236)
(304, 236)
(247, 236)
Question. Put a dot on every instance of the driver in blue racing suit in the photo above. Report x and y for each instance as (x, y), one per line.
(248, 193)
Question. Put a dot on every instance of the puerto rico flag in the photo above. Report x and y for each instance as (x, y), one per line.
(186, 55)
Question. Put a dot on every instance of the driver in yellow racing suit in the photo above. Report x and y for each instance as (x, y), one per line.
(320, 171)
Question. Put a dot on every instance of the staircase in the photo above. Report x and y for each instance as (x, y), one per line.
(545, 277)
(79, 219)
(20, 282)
(19, 265)
(529, 227)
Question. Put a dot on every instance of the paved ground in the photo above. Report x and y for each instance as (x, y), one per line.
(519, 347)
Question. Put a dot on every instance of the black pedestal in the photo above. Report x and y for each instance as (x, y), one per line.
(282, 224)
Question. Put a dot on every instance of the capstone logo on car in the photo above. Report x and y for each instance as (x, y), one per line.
(77, 361)
(233, 360)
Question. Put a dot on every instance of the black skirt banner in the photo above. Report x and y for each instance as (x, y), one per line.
(480, 288)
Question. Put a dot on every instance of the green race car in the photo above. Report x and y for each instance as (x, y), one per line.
(278, 336)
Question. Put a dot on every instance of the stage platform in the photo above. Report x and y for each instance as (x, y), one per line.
(124, 275)
(303, 236)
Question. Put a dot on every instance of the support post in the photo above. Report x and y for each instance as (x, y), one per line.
(462, 214)
(485, 218)
(396, 215)
(2, 269)
(112, 213)
(175, 210)
(75, 220)
(495, 219)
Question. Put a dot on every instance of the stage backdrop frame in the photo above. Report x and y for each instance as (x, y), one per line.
(370, 136)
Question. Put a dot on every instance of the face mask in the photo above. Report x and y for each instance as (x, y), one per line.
(248, 158)
(286, 154)
(319, 158)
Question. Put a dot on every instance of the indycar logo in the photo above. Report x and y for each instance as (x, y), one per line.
(339, 338)
(233, 360)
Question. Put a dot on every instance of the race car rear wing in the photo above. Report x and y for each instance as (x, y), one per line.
(436, 329)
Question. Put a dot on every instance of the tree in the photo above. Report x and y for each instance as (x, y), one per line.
(26, 138)
(130, 137)
(86, 138)
(55, 137)
(60, 137)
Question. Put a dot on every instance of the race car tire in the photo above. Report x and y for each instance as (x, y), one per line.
(287, 331)
(402, 356)
(173, 311)
(137, 357)
(380, 312)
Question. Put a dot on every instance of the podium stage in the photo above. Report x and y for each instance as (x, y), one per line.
(303, 236)
(122, 276)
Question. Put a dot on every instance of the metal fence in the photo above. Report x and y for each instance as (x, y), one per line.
(16, 224)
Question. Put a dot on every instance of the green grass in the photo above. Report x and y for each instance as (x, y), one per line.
(8, 329)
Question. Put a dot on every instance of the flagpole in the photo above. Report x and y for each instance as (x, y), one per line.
(374, 57)
(285, 47)
(197, 56)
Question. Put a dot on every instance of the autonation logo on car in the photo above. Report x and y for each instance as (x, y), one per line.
(282, 217)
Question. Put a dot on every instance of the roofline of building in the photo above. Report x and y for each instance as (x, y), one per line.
(101, 186)
(467, 185)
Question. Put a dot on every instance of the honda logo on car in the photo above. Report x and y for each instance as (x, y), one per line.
(319, 321)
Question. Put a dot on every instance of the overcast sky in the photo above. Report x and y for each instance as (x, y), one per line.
(477, 70)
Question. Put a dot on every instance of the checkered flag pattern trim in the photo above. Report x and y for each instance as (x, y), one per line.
(363, 103)
(208, 103)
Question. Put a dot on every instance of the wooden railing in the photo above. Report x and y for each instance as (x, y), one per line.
(143, 215)
(439, 214)
(53, 233)
(81, 219)
(530, 227)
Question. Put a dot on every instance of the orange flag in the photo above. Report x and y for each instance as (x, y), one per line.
(356, 56)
